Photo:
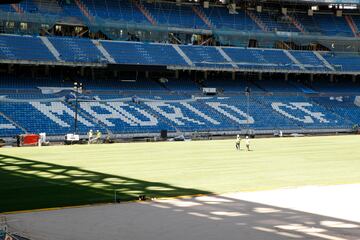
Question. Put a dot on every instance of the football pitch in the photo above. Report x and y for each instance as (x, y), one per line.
(33, 178)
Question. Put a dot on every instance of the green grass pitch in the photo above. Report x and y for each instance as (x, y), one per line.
(32, 178)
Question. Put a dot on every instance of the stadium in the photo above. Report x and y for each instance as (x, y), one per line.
(185, 119)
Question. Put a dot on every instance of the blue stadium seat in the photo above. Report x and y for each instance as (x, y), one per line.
(277, 85)
(54, 118)
(172, 15)
(8, 129)
(71, 9)
(251, 58)
(77, 50)
(343, 61)
(306, 113)
(182, 85)
(276, 22)
(233, 86)
(7, 8)
(221, 18)
(203, 56)
(309, 60)
(343, 106)
(122, 114)
(331, 25)
(344, 86)
(116, 10)
(143, 53)
(325, 24)
(24, 48)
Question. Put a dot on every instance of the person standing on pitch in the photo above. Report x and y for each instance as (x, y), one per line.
(237, 143)
(90, 136)
(247, 143)
(98, 136)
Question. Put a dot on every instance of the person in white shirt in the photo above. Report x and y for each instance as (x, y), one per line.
(247, 143)
(90, 136)
(98, 136)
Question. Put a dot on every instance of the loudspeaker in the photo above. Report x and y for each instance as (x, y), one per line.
(163, 134)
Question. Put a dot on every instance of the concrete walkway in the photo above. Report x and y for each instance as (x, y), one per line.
(330, 212)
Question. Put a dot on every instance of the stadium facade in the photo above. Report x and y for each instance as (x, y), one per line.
(184, 67)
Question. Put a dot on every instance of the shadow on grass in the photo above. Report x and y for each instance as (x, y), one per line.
(27, 184)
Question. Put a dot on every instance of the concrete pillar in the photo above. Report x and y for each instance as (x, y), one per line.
(177, 74)
(146, 74)
(311, 77)
(286, 76)
(233, 75)
(205, 75)
(260, 75)
(331, 78)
